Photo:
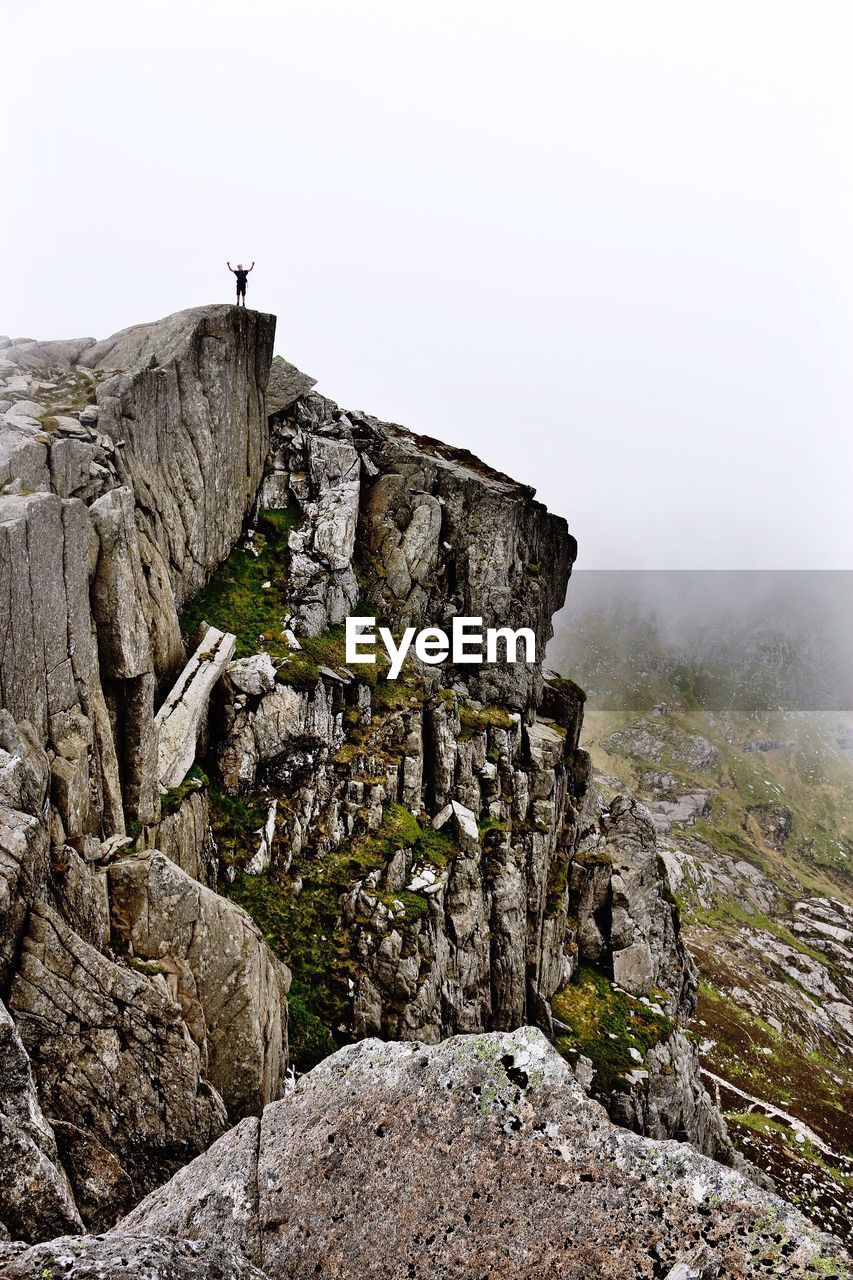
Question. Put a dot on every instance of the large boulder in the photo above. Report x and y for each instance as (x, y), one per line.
(181, 719)
(230, 986)
(111, 1050)
(479, 1156)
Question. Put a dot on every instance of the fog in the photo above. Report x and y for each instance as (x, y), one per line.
(755, 641)
(605, 246)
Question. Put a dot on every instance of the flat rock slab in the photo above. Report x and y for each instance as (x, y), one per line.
(478, 1157)
(182, 715)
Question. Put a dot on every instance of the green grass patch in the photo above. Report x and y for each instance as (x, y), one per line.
(309, 1039)
(236, 821)
(235, 598)
(473, 722)
(305, 929)
(558, 882)
(171, 800)
(814, 1086)
(729, 912)
(593, 858)
(605, 1024)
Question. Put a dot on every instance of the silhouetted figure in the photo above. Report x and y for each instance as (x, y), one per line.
(242, 274)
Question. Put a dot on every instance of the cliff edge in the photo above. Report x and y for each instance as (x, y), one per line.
(225, 848)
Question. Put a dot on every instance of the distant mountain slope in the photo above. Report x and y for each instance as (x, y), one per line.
(753, 806)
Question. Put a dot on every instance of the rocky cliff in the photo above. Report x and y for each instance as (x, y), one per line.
(200, 797)
(146, 1011)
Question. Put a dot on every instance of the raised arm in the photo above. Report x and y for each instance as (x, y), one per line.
(252, 267)
(228, 265)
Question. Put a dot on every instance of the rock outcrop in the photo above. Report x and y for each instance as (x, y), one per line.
(480, 1156)
(424, 853)
(127, 469)
(230, 987)
(438, 927)
(628, 919)
(111, 1052)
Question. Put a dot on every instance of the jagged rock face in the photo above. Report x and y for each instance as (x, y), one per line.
(187, 396)
(185, 836)
(48, 651)
(622, 897)
(482, 943)
(110, 1050)
(499, 918)
(127, 469)
(426, 533)
(439, 534)
(24, 839)
(181, 432)
(421, 841)
(628, 920)
(478, 1156)
(489, 950)
(775, 822)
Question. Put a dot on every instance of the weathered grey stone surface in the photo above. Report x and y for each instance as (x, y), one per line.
(118, 589)
(44, 584)
(141, 995)
(254, 675)
(664, 743)
(213, 1200)
(285, 385)
(123, 1257)
(24, 857)
(641, 933)
(35, 1197)
(183, 714)
(628, 920)
(218, 968)
(188, 397)
(185, 836)
(127, 469)
(325, 473)
(103, 1190)
(441, 533)
(480, 1156)
(24, 844)
(111, 1050)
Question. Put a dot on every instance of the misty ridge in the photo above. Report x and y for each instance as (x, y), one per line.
(750, 641)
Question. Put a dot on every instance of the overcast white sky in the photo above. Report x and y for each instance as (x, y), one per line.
(606, 244)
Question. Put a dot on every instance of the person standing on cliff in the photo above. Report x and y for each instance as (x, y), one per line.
(241, 273)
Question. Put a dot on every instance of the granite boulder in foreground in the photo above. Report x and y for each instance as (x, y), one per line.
(480, 1156)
